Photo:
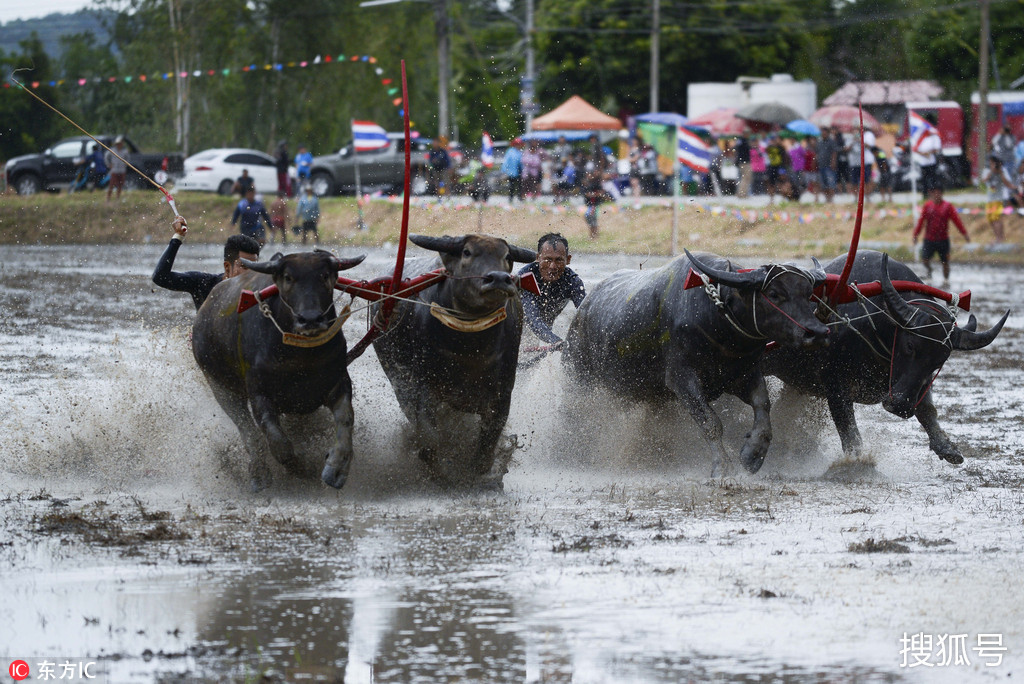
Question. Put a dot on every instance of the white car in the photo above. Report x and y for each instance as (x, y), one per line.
(217, 169)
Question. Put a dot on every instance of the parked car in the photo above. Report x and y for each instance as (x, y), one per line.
(55, 168)
(215, 170)
(382, 169)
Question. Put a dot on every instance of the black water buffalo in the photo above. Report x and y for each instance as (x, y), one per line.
(642, 335)
(260, 367)
(888, 353)
(454, 350)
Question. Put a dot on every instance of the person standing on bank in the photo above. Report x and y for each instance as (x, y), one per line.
(936, 215)
(118, 168)
(308, 212)
(253, 216)
(281, 164)
(558, 285)
(197, 283)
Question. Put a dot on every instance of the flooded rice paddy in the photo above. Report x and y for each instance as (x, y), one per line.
(128, 536)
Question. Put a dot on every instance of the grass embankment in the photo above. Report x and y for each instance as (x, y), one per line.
(86, 218)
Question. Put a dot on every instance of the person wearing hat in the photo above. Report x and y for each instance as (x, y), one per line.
(512, 166)
(118, 168)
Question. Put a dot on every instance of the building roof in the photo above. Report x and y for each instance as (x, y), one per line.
(884, 92)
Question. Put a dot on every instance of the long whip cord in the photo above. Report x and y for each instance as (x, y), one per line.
(170, 199)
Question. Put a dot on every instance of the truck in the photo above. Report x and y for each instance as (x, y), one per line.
(382, 169)
(55, 168)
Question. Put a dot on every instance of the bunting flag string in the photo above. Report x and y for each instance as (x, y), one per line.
(320, 60)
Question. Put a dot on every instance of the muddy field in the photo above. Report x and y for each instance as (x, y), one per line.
(128, 536)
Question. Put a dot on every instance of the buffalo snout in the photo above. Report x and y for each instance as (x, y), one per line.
(815, 336)
(310, 322)
(899, 406)
(498, 281)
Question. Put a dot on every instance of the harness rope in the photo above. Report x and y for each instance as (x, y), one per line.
(911, 329)
(295, 339)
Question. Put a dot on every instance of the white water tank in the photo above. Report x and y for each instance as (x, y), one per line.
(702, 98)
(800, 95)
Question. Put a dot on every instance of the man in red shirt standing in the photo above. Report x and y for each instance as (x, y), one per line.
(935, 217)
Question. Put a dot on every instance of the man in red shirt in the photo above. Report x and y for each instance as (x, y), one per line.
(935, 217)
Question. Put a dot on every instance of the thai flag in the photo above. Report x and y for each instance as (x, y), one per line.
(487, 151)
(368, 136)
(919, 129)
(692, 151)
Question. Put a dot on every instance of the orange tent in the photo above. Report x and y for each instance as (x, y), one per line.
(576, 114)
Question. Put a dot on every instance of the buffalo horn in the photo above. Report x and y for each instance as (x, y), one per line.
(521, 254)
(445, 245)
(263, 266)
(903, 312)
(728, 278)
(965, 339)
(345, 264)
(818, 273)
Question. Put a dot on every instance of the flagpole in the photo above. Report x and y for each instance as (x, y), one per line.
(360, 223)
(675, 196)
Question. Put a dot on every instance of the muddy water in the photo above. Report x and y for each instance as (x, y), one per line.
(128, 536)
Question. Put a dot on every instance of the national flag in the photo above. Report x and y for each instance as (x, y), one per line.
(692, 151)
(368, 136)
(487, 151)
(920, 128)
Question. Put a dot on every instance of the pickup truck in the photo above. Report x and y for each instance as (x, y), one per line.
(382, 169)
(55, 168)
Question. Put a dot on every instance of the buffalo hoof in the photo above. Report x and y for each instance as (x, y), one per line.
(954, 458)
(333, 477)
(257, 485)
(753, 464)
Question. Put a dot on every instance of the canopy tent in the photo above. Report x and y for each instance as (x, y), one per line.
(721, 122)
(576, 114)
(552, 136)
(663, 118)
(843, 118)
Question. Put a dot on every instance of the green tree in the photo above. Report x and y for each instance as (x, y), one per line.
(26, 125)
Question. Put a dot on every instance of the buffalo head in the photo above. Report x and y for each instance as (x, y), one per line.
(479, 267)
(305, 283)
(776, 300)
(925, 335)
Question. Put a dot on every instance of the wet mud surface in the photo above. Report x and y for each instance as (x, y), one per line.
(128, 536)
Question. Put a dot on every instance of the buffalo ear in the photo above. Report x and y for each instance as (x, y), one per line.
(445, 245)
(270, 267)
(521, 254)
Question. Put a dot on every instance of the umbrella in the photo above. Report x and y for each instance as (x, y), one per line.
(843, 117)
(769, 112)
(803, 127)
(720, 121)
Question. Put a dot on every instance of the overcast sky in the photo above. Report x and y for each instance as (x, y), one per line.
(25, 9)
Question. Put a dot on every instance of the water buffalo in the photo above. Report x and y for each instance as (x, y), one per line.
(889, 352)
(642, 335)
(454, 349)
(260, 367)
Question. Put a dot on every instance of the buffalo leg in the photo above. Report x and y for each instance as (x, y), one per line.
(281, 447)
(687, 387)
(491, 424)
(938, 440)
(755, 394)
(846, 424)
(234, 404)
(339, 458)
